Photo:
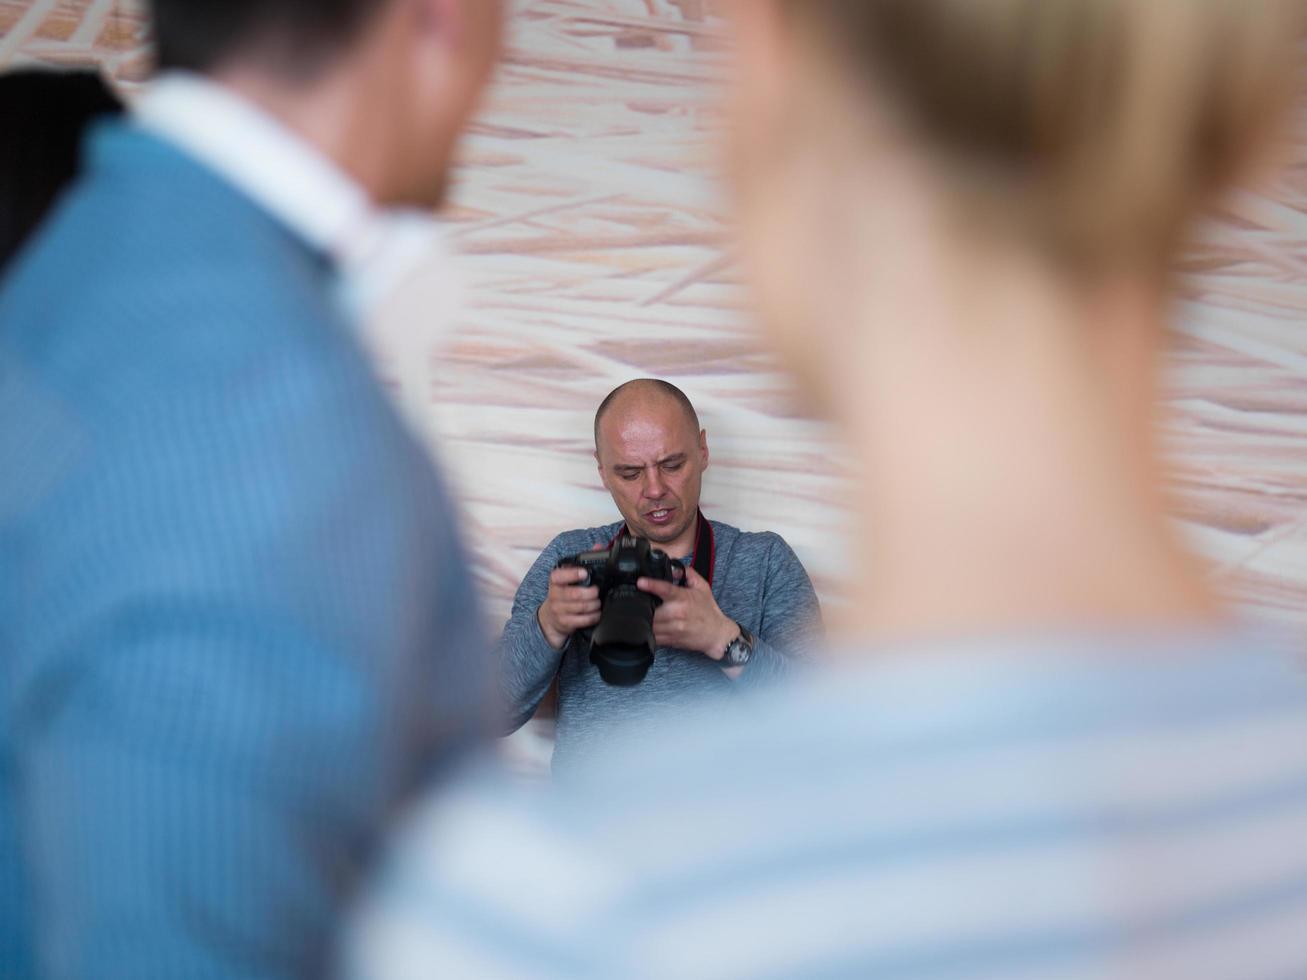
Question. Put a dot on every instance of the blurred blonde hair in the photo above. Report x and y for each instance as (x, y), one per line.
(1103, 126)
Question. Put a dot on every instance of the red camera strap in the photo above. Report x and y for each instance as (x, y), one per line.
(705, 547)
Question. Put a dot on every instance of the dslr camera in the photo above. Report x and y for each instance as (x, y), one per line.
(622, 642)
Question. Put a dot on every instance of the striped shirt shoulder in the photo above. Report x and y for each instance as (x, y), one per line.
(1077, 808)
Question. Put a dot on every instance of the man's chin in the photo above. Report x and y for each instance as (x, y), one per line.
(662, 535)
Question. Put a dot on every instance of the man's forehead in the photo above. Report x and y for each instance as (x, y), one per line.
(646, 429)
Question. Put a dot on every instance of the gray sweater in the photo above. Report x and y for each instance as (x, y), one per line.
(757, 580)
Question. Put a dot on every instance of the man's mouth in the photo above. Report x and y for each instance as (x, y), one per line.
(660, 516)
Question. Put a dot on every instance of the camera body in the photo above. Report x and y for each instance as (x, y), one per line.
(622, 643)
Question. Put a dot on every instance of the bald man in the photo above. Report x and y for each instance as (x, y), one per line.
(744, 614)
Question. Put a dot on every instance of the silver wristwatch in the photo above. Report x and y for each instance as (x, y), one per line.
(740, 650)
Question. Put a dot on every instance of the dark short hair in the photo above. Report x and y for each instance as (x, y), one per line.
(297, 36)
(43, 115)
(658, 385)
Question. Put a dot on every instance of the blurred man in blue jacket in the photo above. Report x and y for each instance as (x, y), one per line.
(234, 626)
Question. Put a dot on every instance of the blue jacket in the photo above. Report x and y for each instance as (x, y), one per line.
(234, 624)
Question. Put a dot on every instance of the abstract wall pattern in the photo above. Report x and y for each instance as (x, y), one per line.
(591, 233)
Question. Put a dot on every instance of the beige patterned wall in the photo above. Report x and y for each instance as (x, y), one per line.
(591, 234)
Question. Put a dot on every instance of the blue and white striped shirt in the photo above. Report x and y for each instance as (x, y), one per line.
(1105, 807)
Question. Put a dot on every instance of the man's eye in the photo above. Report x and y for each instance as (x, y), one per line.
(628, 477)
(672, 467)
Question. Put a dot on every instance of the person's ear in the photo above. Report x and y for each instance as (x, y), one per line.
(434, 28)
(599, 464)
(703, 449)
(471, 30)
(762, 43)
(761, 93)
(443, 56)
(439, 19)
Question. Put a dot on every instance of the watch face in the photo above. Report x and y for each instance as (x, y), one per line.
(739, 650)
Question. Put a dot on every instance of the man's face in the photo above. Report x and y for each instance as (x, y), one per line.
(651, 460)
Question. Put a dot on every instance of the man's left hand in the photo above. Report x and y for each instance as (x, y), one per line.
(689, 618)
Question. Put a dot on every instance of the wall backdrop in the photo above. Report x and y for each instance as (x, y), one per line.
(589, 231)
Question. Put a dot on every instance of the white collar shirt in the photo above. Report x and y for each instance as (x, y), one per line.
(372, 248)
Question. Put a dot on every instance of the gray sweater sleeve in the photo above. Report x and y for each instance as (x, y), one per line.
(790, 628)
(527, 664)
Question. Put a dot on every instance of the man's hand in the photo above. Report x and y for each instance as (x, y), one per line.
(689, 618)
(568, 607)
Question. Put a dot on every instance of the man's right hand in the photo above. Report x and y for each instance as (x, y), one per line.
(568, 607)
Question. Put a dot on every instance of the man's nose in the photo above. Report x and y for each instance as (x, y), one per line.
(653, 485)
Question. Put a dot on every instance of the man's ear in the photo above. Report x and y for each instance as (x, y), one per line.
(703, 448)
(441, 18)
(599, 463)
(472, 28)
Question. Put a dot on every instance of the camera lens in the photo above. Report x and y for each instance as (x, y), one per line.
(621, 665)
(622, 646)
